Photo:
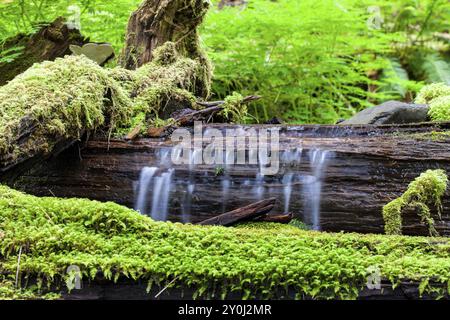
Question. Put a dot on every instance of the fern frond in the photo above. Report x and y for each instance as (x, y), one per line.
(436, 69)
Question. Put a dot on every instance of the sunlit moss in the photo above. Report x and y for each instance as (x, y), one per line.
(262, 262)
(62, 99)
(432, 91)
(440, 108)
(425, 191)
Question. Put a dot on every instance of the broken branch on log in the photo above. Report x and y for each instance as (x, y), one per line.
(246, 213)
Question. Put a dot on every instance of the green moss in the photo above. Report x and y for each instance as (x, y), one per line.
(440, 108)
(234, 109)
(60, 99)
(214, 261)
(432, 91)
(425, 191)
(169, 83)
(437, 96)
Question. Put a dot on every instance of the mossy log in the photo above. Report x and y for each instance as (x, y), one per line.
(50, 42)
(368, 167)
(157, 22)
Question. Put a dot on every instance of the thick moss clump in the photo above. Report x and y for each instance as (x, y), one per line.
(59, 101)
(159, 88)
(215, 261)
(235, 109)
(425, 191)
(437, 96)
(53, 101)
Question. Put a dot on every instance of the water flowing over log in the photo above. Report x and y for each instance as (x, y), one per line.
(246, 213)
(333, 178)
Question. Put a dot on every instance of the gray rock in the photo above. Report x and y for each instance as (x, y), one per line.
(391, 112)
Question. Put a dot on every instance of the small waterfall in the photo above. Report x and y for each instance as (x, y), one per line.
(159, 186)
(312, 187)
(287, 188)
(225, 192)
(145, 179)
(161, 192)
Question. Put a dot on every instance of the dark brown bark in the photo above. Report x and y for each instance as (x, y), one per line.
(158, 21)
(277, 218)
(246, 213)
(49, 43)
(125, 289)
(369, 166)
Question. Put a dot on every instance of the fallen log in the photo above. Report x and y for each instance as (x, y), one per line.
(246, 213)
(367, 167)
(124, 289)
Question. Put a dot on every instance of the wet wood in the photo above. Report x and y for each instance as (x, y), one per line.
(368, 166)
(246, 213)
(277, 218)
(126, 289)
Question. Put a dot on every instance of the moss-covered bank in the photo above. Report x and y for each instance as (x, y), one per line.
(59, 101)
(108, 238)
(424, 192)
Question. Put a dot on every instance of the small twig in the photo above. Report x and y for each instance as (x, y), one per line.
(166, 287)
(18, 267)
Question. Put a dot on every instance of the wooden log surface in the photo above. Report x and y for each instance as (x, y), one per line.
(367, 167)
(124, 289)
(247, 213)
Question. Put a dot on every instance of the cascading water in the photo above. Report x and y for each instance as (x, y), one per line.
(287, 188)
(161, 192)
(312, 186)
(145, 180)
(158, 187)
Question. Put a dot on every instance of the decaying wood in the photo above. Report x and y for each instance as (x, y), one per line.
(156, 22)
(127, 289)
(284, 218)
(246, 213)
(368, 167)
(50, 42)
(188, 118)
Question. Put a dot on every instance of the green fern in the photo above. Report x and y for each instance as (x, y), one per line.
(436, 69)
(395, 79)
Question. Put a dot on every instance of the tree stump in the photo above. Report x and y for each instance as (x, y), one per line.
(156, 22)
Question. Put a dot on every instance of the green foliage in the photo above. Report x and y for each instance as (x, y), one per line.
(425, 191)
(309, 61)
(214, 261)
(436, 69)
(102, 21)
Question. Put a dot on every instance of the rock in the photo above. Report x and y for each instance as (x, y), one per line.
(391, 112)
(274, 120)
